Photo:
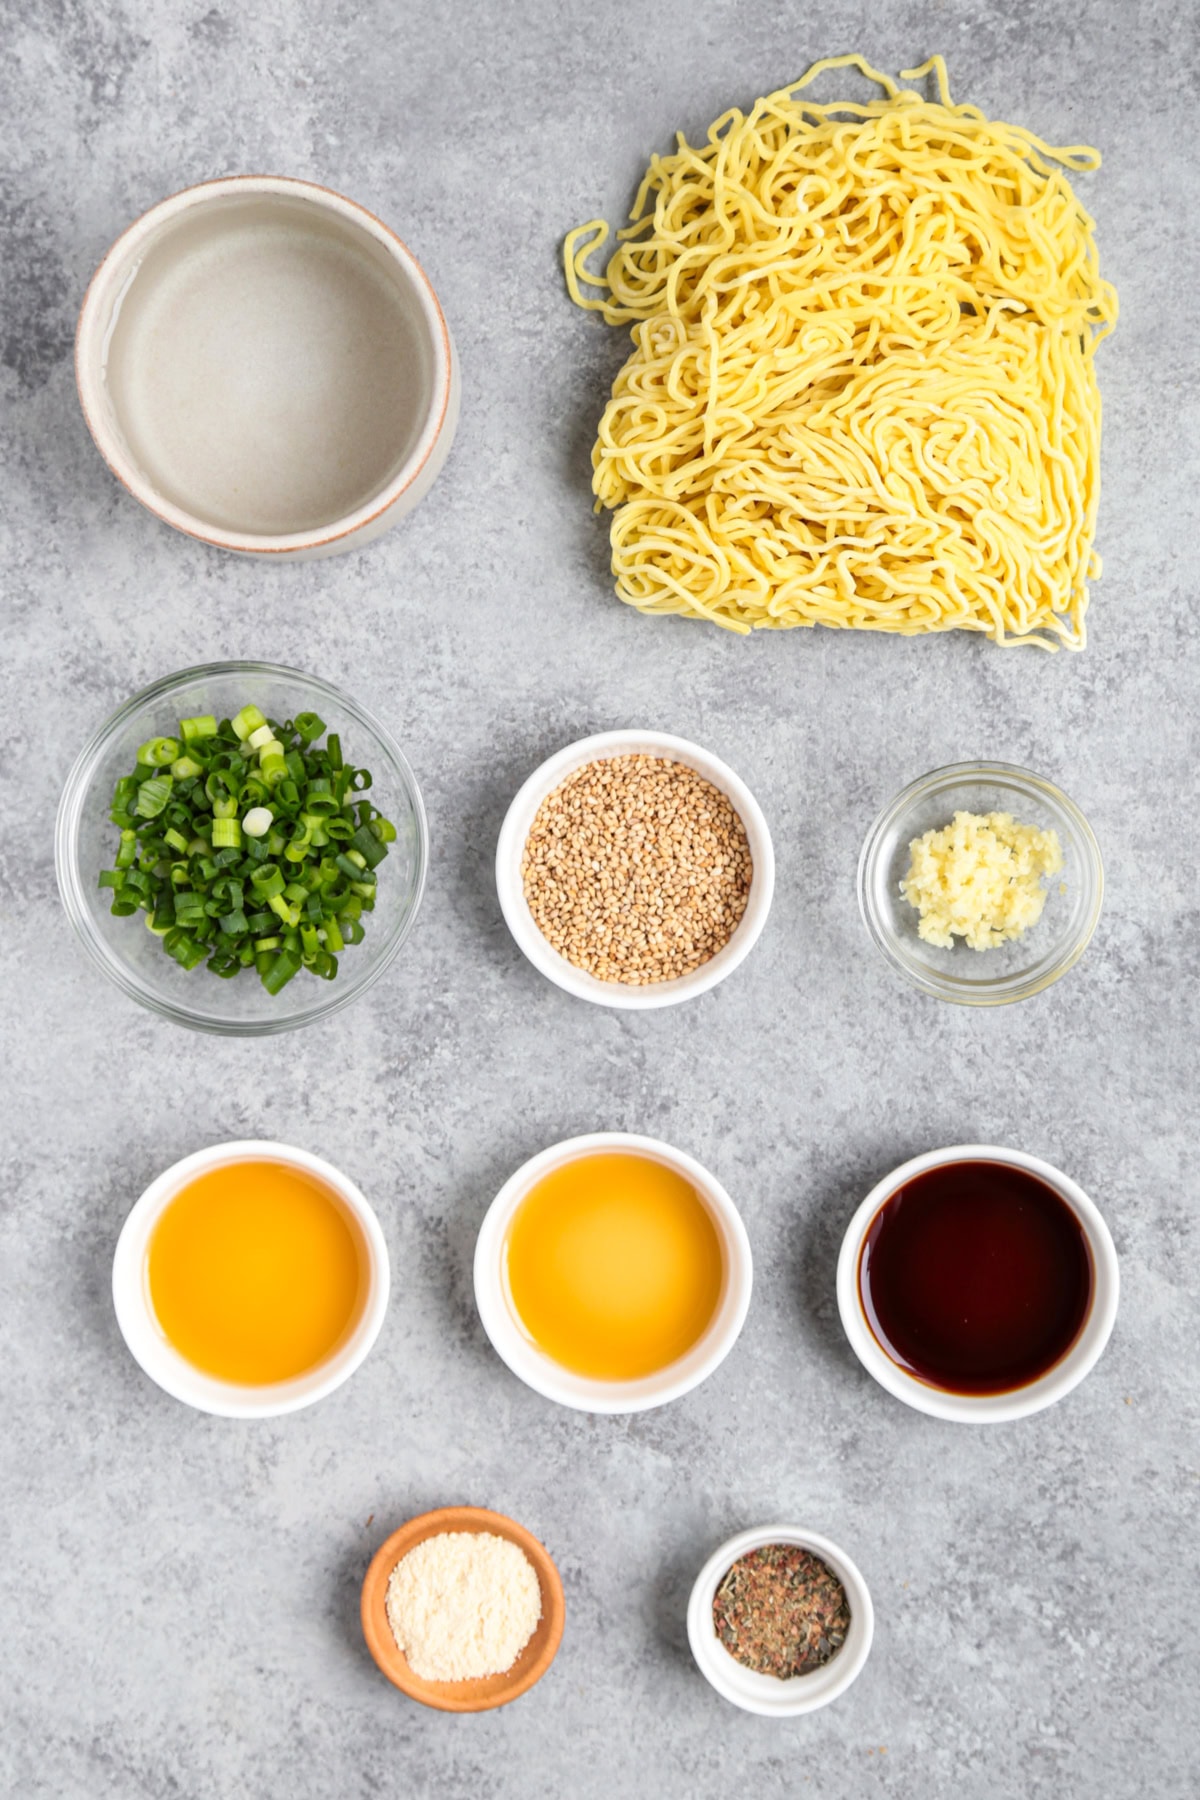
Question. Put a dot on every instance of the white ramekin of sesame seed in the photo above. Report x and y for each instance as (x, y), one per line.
(635, 869)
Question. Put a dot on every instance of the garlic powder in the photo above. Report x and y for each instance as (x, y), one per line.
(463, 1605)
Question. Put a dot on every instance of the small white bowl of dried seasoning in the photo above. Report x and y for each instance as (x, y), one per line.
(635, 869)
(780, 1621)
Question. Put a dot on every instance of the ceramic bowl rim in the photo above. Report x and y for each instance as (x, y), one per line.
(950, 775)
(90, 332)
(391, 1661)
(69, 876)
(764, 1694)
(165, 1366)
(515, 829)
(580, 1392)
(1015, 1403)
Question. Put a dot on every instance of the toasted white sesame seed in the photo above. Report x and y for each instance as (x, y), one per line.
(637, 869)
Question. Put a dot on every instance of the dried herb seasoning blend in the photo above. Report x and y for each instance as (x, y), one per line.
(781, 1611)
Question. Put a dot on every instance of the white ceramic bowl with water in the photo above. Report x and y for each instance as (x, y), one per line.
(266, 366)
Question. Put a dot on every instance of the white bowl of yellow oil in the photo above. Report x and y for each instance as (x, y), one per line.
(613, 1273)
(266, 366)
(251, 1279)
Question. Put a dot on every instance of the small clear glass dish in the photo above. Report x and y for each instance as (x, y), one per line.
(1011, 971)
(85, 842)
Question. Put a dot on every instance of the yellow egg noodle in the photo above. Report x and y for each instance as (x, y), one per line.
(862, 390)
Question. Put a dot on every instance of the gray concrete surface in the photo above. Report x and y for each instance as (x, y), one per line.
(180, 1594)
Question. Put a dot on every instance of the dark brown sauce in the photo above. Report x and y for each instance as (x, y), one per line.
(976, 1277)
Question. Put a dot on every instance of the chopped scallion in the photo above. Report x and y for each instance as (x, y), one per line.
(223, 877)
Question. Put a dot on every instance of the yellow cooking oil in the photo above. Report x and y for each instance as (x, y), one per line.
(257, 1272)
(614, 1265)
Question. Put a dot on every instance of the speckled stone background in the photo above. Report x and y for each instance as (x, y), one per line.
(180, 1593)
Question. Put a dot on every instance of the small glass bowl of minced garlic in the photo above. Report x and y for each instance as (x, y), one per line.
(981, 883)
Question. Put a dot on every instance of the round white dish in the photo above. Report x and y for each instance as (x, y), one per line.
(180, 1378)
(511, 888)
(541, 1372)
(766, 1694)
(1018, 1403)
(265, 366)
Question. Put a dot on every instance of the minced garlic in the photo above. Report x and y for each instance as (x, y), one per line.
(463, 1604)
(980, 879)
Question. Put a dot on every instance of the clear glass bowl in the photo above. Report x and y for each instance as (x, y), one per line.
(1011, 971)
(85, 842)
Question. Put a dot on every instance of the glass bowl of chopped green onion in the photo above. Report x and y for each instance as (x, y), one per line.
(242, 848)
(981, 883)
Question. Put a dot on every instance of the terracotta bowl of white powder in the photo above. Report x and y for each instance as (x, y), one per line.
(436, 1594)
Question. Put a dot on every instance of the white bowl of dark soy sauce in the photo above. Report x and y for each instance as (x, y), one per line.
(978, 1284)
